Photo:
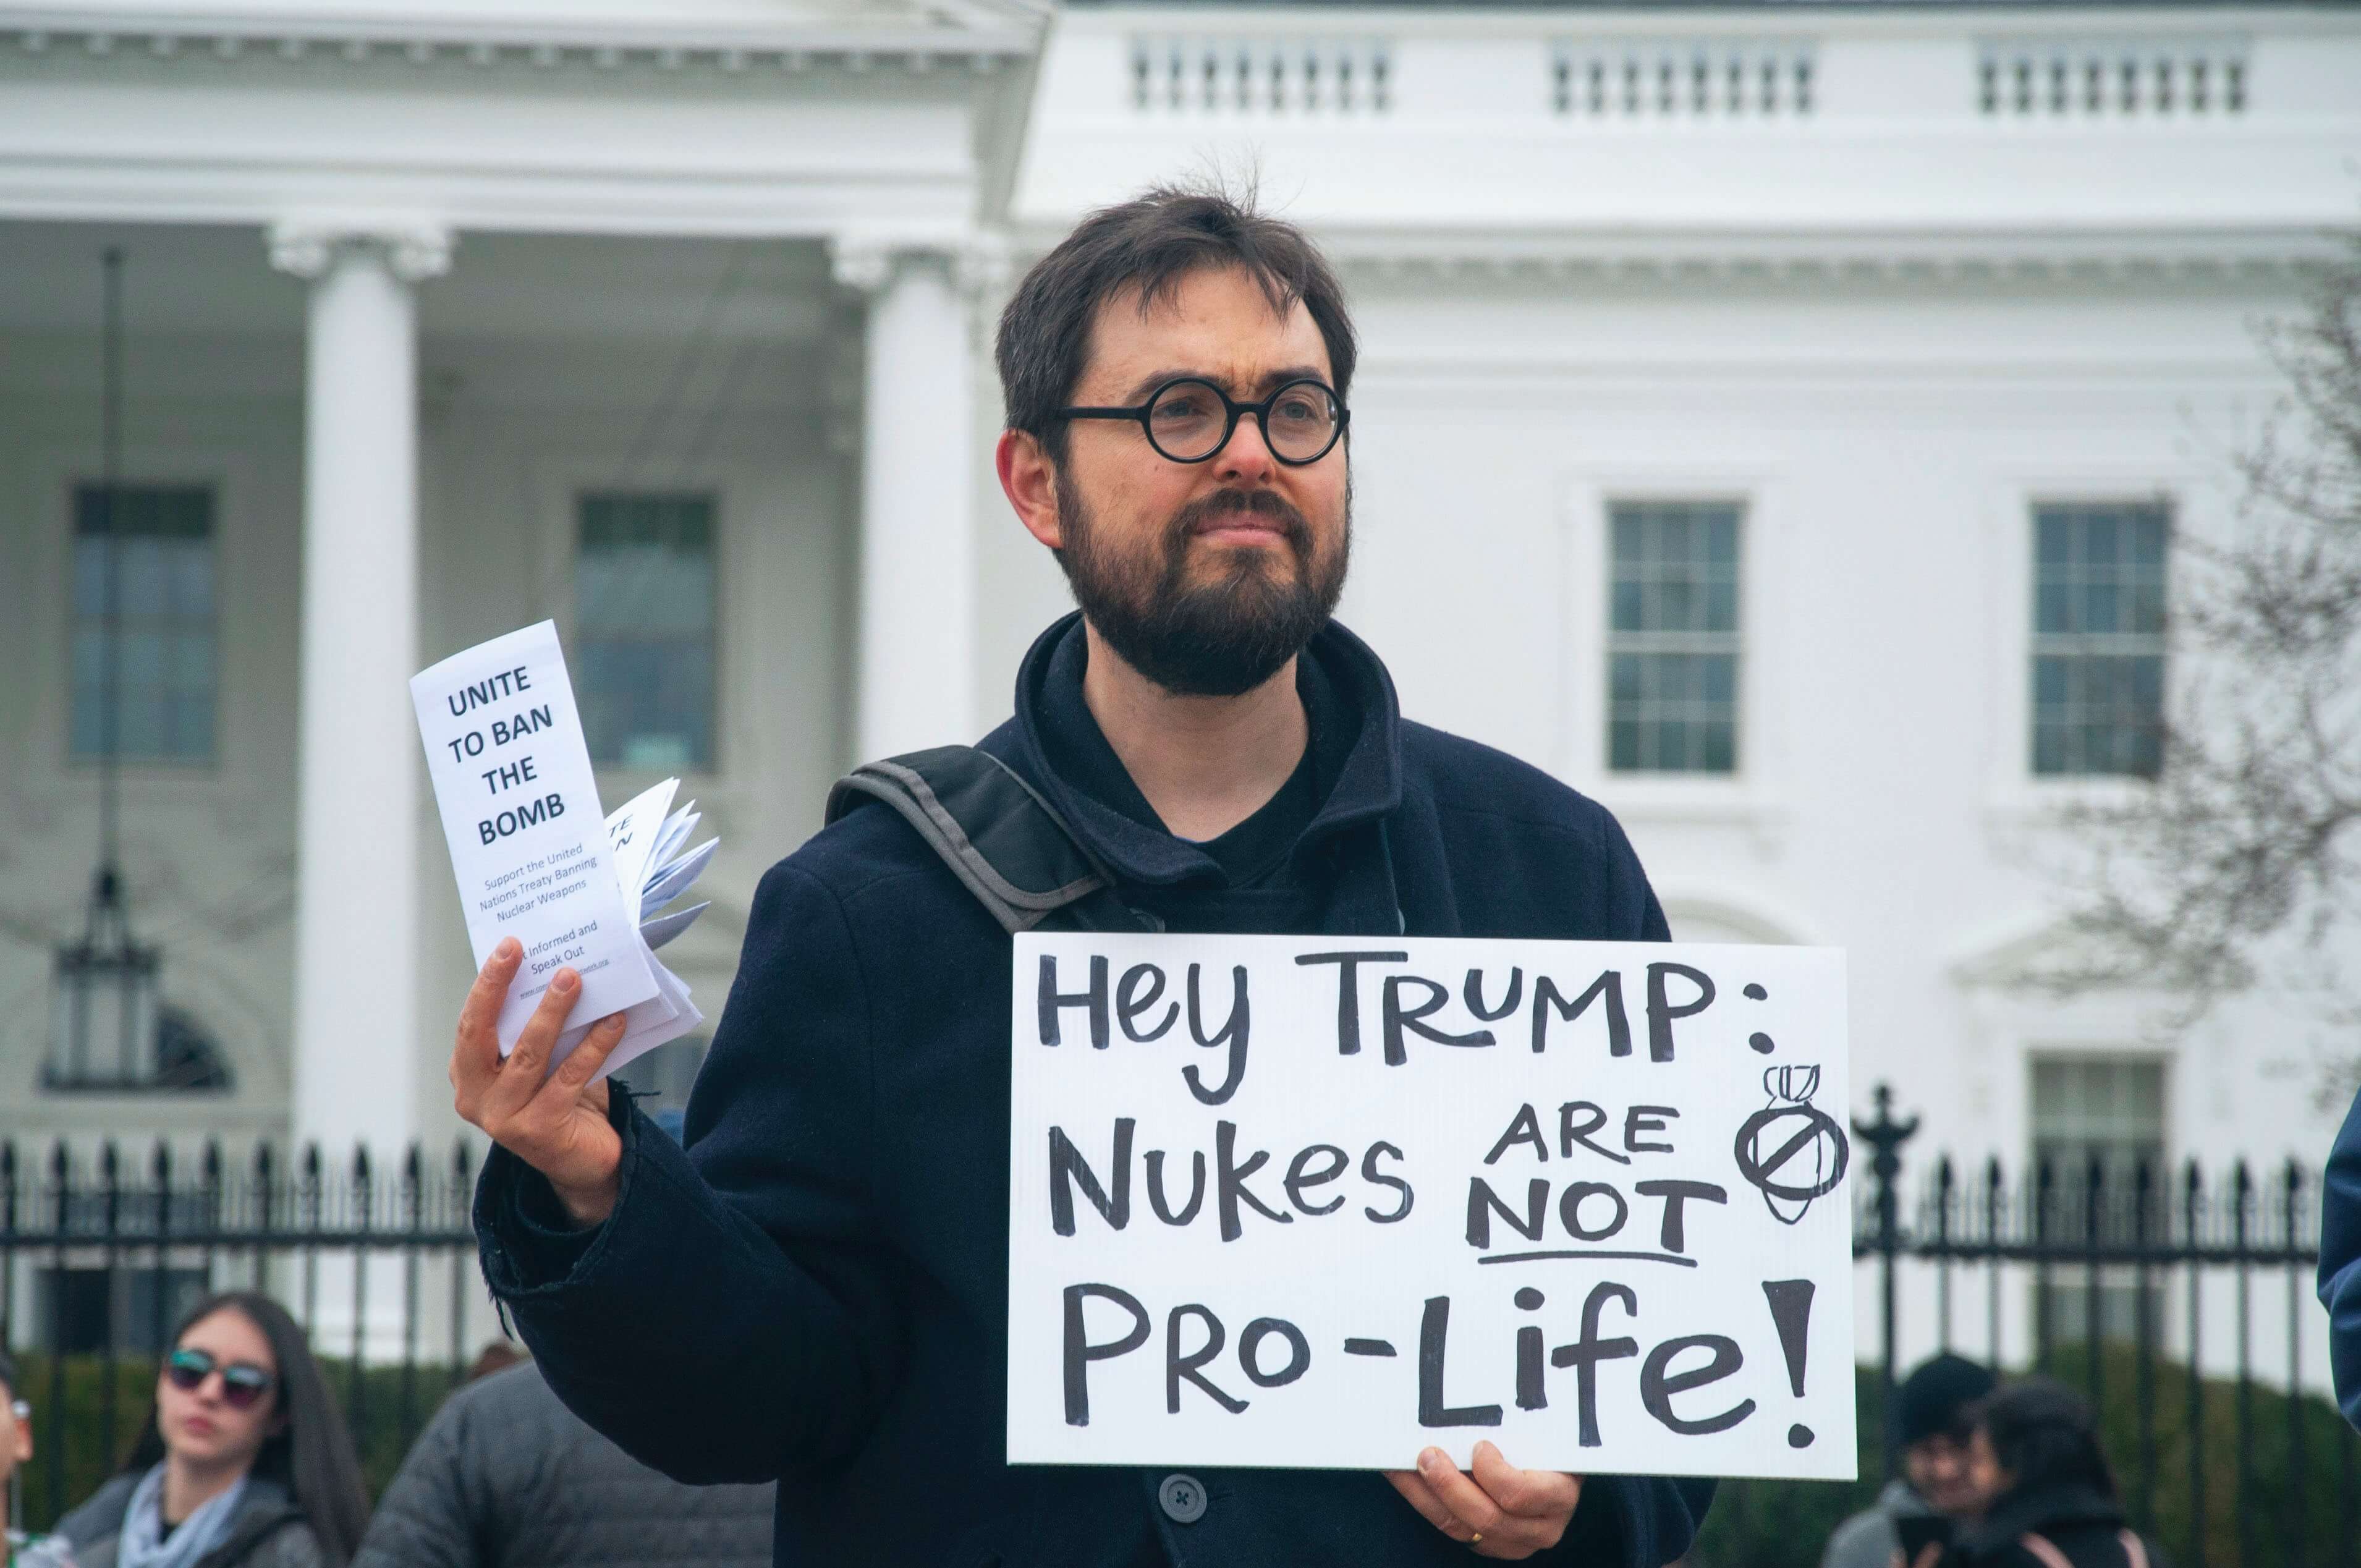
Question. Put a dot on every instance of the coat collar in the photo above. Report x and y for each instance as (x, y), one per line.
(1368, 786)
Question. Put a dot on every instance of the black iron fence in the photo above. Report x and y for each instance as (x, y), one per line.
(101, 1254)
(2153, 1289)
(2181, 1301)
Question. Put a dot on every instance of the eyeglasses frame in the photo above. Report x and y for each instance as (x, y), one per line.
(1236, 409)
(223, 1369)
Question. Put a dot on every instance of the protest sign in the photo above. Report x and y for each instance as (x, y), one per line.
(519, 805)
(1316, 1201)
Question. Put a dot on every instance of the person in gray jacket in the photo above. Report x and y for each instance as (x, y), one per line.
(504, 1476)
(1934, 1478)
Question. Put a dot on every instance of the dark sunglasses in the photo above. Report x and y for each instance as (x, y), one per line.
(243, 1383)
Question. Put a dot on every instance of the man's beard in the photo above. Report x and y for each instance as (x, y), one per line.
(1212, 637)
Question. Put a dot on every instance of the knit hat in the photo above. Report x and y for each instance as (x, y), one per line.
(1937, 1391)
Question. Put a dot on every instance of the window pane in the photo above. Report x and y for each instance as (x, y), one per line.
(140, 665)
(193, 580)
(2110, 1115)
(1623, 677)
(1626, 616)
(2099, 597)
(643, 600)
(139, 723)
(1721, 541)
(160, 538)
(1674, 636)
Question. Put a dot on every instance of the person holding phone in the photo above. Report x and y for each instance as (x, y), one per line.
(243, 1462)
(1921, 1505)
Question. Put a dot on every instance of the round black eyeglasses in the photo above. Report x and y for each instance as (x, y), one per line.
(1188, 420)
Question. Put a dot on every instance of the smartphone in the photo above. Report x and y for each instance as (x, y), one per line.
(1918, 1533)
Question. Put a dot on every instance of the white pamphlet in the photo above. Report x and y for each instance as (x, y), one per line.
(519, 805)
(649, 872)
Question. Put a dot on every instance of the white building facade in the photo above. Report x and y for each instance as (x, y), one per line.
(1745, 389)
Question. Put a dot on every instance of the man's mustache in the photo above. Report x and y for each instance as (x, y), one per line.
(1205, 512)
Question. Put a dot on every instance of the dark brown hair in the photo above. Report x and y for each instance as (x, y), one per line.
(2043, 1434)
(312, 1455)
(1149, 244)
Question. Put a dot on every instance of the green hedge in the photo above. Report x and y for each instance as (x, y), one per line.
(383, 1436)
(1754, 1524)
(1784, 1524)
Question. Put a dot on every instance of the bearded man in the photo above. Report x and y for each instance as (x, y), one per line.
(814, 1290)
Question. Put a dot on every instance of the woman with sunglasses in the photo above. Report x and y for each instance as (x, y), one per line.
(243, 1464)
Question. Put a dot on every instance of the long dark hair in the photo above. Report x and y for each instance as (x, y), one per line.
(312, 1454)
(2043, 1434)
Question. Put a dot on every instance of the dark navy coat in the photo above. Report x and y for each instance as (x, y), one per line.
(815, 1291)
(2340, 1262)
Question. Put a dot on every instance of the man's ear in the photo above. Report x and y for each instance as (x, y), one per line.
(20, 1438)
(1028, 477)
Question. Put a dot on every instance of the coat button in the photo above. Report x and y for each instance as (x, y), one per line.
(1182, 1499)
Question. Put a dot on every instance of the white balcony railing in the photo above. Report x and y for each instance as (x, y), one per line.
(1258, 77)
(1682, 79)
(2120, 78)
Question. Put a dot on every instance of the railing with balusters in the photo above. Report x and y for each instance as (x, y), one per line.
(97, 1260)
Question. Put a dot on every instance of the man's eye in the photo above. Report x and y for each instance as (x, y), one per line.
(1303, 409)
(1187, 406)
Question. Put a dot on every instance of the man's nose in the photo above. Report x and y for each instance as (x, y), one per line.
(1245, 456)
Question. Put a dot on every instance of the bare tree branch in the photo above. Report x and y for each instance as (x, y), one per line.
(2247, 846)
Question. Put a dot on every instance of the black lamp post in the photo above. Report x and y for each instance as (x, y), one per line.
(104, 1010)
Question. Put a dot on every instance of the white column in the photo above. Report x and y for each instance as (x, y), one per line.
(358, 1033)
(917, 483)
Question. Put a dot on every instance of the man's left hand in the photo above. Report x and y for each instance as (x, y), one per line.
(1496, 1509)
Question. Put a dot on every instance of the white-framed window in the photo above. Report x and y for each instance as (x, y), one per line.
(2109, 1111)
(2098, 642)
(644, 631)
(1673, 636)
(161, 656)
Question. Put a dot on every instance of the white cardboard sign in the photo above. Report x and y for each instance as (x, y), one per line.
(1324, 1201)
(519, 808)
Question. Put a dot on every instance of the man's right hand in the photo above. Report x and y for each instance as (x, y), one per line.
(556, 1125)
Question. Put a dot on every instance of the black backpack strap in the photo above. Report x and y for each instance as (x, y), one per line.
(1004, 842)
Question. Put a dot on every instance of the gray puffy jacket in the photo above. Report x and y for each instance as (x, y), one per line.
(1869, 1540)
(505, 1476)
(268, 1532)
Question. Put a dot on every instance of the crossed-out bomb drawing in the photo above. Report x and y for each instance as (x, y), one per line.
(1791, 1150)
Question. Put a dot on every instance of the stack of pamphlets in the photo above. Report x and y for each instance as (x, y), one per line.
(519, 801)
(646, 845)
